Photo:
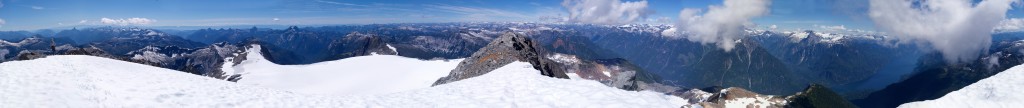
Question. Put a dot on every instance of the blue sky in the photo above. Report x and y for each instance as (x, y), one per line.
(41, 14)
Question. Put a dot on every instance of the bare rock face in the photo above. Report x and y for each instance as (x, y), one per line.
(359, 44)
(503, 50)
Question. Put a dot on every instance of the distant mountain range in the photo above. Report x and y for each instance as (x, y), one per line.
(869, 69)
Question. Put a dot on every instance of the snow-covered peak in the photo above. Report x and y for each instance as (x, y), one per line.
(798, 35)
(830, 37)
(999, 91)
(25, 41)
(640, 28)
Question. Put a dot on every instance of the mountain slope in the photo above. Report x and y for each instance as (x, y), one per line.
(999, 91)
(87, 81)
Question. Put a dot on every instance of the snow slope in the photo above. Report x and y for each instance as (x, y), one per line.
(372, 74)
(519, 85)
(999, 91)
(86, 81)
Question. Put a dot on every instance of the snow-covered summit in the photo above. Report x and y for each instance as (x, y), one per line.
(87, 81)
(998, 91)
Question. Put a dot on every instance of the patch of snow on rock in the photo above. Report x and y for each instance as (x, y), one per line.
(392, 48)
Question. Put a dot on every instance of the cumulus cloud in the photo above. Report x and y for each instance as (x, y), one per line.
(277, 19)
(722, 25)
(129, 21)
(83, 21)
(773, 27)
(2, 22)
(959, 29)
(1011, 25)
(605, 11)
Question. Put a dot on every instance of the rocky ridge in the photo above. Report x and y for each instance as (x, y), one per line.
(503, 50)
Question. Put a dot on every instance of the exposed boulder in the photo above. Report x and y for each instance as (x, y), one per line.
(503, 50)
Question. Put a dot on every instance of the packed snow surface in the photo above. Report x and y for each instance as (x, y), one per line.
(86, 81)
(999, 91)
(357, 75)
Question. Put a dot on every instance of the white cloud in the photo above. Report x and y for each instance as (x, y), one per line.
(605, 11)
(832, 28)
(722, 25)
(2, 22)
(773, 27)
(60, 23)
(129, 21)
(277, 19)
(959, 29)
(38, 7)
(83, 21)
(1011, 25)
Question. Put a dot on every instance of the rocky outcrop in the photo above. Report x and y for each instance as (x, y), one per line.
(738, 96)
(814, 96)
(29, 55)
(818, 96)
(503, 50)
(618, 73)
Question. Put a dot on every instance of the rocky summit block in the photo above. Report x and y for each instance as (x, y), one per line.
(503, 50)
